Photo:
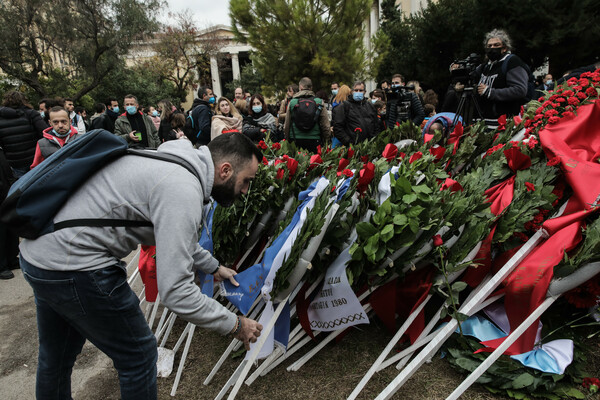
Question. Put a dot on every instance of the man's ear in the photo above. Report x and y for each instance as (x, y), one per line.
(225, 171)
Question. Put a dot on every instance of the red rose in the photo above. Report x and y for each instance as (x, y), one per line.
(276, 146)
(530, 186)
(292, 166)
(262, 145)
(437, 241)
(554, 161)
(280, 173)
(415, 157)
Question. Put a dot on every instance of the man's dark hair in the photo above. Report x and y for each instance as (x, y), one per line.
(69, 99)
(335, 83)
(130, 96)
(79, 110)
(110, 100)
(57, 109)
(235, 148)
(384, 81)
(305, 83)
(294, 88)
(99, 108)
(203, 90)
(47, 101)
(358, 83)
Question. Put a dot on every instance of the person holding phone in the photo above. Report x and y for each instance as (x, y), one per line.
(136, 127)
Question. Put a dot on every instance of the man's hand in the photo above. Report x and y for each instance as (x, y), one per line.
(132, 136)
(249, 332)
(481, 89)
(224, 273)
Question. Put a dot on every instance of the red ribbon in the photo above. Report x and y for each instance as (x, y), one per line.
(452, 185)
(438, 152)
(343, 164)
(365, 177)
(455, 136)
(147, 267)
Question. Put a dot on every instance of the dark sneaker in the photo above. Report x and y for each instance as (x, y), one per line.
(6, 274)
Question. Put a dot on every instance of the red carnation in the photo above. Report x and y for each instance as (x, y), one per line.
(437, 241)
(553, 120)
(591, 92)
(265, 161)
(553, 161)
(581, 95)
(520, 235)
(517, 120)
(364, 159)
(262, 145)
(530, 187)
(415, 157)
(532, 142)
(593, 384)
(401, 155)
(348, 173)
(276, 146)
(350, 153)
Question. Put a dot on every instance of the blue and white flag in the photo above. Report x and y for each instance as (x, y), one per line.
(252, 280)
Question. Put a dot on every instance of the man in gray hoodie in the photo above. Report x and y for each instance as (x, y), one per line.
(80, 283)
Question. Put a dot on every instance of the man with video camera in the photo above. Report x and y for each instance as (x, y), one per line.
(402, 104)
(503, 81)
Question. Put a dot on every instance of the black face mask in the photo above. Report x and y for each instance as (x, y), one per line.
(494, 53)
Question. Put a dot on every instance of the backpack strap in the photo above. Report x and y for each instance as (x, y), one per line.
(112, 222)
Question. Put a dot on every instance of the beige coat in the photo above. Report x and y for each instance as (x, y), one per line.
(222, 123)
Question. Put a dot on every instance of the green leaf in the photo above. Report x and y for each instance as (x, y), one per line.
(522, 381)
(400, 219)
(415, 211)
(467, 363)
(422, 189)
(572, 392)
(365, 230)
(459, 286)
(409, 198)
(387, 232)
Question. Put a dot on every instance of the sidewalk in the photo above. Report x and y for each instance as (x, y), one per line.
(94, 376)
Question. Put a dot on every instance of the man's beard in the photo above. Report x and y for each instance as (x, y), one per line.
(224, 194)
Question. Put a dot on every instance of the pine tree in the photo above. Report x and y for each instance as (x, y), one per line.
(321, 39)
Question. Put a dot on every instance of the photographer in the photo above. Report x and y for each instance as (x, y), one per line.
(503, 79)
(402, 104)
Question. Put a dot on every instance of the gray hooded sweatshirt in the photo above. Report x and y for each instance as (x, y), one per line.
(143, 189)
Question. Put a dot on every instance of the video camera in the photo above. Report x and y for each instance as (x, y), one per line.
(465, 72)
(397, 92)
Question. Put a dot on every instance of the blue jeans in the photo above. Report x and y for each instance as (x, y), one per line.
(98, 306)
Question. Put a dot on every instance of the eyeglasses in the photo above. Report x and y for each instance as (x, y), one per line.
(359, 90)
(494, 45)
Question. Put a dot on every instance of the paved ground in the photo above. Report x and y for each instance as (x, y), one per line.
(92, 373)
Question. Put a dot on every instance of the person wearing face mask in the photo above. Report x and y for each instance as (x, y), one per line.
(101, 120)
(154, 116)
(56, 136)
(112, 109)
(259, 121)
(201, 114)
(503, 81)
(135, 127)
(402, 104)
(355, 120)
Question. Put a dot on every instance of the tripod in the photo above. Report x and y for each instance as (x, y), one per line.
(467, 105)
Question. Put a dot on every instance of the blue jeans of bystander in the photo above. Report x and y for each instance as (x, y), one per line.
(98, 306)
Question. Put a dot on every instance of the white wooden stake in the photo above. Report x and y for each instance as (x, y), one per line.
(183, 357)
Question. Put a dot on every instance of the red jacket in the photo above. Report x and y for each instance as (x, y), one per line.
(49, 144)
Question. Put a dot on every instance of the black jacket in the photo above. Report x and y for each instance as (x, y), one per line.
(165, 128)
(201, 115)
(20, 129)
(355, 121)
(404, 107)
(105, 122)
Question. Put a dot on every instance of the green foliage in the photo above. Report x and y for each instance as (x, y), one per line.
(316, 38)
(83, 40)
(422, 45)
(250, 80)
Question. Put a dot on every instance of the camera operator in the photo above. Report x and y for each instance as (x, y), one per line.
(402, 104)
(503, 81)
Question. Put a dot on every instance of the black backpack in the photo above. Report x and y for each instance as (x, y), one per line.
(305, 113)
(531, 92)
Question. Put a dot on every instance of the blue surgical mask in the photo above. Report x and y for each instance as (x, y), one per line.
(395, 85)
(212, 100)
(373, 101)
(358, 96)
(256, 109)
(334, 92)
(58, 134)
(549, 82)
(42, 114)
(116, 109)
(131, 109)
(155, 113)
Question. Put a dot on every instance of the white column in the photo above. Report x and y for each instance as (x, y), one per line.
(214, 74)
(374, 18)
(235, 65)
